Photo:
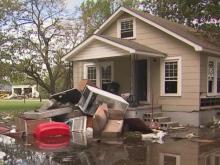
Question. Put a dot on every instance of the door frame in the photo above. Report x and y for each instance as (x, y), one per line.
(148, 59)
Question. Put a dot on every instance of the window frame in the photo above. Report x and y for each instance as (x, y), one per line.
(215, 90)
(86, 66)
(178, 59)
(119, 27)
(98, 71)
(112, 70)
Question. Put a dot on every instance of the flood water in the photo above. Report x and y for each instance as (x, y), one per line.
(78, 150)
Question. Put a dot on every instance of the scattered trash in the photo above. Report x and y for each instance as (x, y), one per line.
(157, 136)
(87, 112)
(6, 139)
(2, 155)
(191, 135)
(13, 129)
(177, 128)
(69, 96)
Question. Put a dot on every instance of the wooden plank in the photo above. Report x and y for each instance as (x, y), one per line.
(47, 113)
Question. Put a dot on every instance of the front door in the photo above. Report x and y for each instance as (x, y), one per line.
(141, 80)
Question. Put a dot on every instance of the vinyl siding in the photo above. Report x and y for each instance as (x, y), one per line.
(77, 73)
(158, 40)
(96, 50)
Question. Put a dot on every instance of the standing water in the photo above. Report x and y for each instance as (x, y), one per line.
(177, 149)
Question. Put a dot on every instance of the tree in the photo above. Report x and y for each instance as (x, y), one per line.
(7, 9)
(203, 15)
(43, 35)
(94, 13)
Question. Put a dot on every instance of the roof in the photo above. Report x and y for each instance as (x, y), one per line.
(5, 87)
(127, 45)
(186, 34)
(131, 44)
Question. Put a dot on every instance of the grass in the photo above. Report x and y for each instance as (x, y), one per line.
(18, 106)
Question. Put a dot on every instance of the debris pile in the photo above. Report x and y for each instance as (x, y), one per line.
(84, 113)
(88, 110)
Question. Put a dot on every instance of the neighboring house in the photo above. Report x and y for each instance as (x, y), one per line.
(153, 59)
(5, 88)
(27, 90)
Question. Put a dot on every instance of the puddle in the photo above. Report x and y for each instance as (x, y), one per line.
(78, 150)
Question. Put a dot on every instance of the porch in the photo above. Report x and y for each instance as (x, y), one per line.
(125, 63)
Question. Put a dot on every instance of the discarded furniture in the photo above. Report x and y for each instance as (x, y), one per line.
(51, 129)
(28, 125)
(113, 128)
(100, 119)
(72, 95)
(47, 113)
(92, 97)
(107, 122)
(77, 124)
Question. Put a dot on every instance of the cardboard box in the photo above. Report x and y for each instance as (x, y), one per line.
(113, 128)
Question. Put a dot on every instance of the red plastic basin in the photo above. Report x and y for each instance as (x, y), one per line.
(51, 129)
(53, 143)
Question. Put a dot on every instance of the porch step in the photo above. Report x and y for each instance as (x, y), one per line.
(167, 125)
(155, 114)
(164, 122)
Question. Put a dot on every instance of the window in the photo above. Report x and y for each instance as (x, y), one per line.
(213, 76)
(100, 74)
(106, 75)
(171, 74)
(126, 28)
(210, 76)
(90, 72)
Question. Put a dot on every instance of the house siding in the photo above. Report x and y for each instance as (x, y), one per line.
(77, 72)
(158, 40)
(96, 50)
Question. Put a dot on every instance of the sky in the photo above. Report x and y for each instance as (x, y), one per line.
(73, 3)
